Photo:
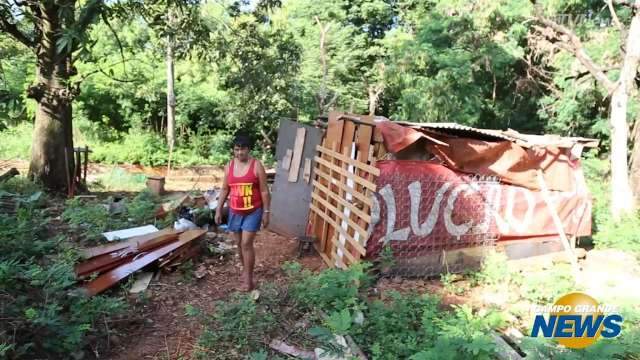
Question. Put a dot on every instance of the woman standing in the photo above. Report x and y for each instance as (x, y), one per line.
(245, 184)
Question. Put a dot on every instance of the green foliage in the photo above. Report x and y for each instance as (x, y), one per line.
(43, 316)
(242, 325)
(16, 141)
(547, 286)
(331, 290)
(469, 62)
(92, 218)
(494, 269)
(623, 234)
(119, 179)
(135, 148)
(402, 326)
(20, 185)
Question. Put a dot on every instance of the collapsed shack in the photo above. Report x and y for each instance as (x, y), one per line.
(432, 197)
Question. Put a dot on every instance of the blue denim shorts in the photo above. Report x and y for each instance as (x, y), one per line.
(249, 223)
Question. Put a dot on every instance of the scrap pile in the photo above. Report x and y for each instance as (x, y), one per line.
(141, 247)
(115, 262)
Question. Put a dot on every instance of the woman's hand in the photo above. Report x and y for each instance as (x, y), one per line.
(265, 219)
(218, 217)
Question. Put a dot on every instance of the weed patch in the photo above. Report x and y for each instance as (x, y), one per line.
(91, 218)
(42, 314)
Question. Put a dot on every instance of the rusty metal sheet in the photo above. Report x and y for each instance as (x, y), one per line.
(525, 140)
(107, 280)
(505, 159)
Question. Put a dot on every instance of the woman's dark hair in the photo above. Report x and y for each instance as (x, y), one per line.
(242, 140)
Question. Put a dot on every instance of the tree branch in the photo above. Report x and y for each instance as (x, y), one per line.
(88, 14)
(630, 3)
(614, 16)
(585, 73)
(115, 35)
(12, 29)
(572, 43)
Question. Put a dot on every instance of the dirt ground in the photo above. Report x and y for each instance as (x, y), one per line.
(158, 328)
(180, 179)
(161, 330)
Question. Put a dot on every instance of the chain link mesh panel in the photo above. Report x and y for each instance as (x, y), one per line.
(427, 223)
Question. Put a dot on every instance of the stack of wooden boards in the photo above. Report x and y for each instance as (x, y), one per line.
(115, 262)
(343, 184)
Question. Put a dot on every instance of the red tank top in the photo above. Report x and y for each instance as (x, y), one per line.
(244, 191)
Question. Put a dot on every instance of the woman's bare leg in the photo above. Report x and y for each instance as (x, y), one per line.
(248, 257)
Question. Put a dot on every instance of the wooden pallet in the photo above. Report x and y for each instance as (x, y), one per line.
(343, 183)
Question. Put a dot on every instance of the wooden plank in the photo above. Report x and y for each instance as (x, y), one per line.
(366, 183)
(101, 262)
(377, 136)
(307, 170)
(342, 216)
(106, 280)
(324, 256)
(347, 254)
(358, 164)
(361, 197)
(334, 130)
(132, 242)
(559, 227)
(363, 143)
(286, 160)
(337, 227)
(297, 154)
(361, 214)
(332, 139)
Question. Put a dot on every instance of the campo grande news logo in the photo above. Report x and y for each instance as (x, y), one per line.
(576, 320)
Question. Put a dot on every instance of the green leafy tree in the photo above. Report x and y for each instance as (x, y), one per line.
(57, 33)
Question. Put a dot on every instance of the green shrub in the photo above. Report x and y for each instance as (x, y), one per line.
(136, 147)
(330, 290)
(92, 218)
(42, 314)
(16, 142)
(119, 179)
(607, 233)
(402, 326)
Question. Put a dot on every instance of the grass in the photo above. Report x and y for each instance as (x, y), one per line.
(16, 142)
(135, 147)
(118, 179)
(42, 314)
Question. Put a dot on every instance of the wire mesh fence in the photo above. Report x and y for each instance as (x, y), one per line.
(426, 223)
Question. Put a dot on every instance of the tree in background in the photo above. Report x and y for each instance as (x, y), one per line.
(57, 32)
(258, 59)
(625, 61)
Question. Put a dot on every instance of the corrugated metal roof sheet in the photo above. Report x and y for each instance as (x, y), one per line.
(524, 140)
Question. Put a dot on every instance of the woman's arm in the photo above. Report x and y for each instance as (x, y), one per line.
(223, 196)
(264, 193)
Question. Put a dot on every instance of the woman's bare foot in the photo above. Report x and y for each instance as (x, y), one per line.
(247, 284)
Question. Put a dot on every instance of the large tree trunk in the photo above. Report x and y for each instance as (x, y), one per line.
(622, 200)
(621, 194)
(52, 135)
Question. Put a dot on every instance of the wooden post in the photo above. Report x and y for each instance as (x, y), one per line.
(77, 167)
(86, 163)
(559, 227)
